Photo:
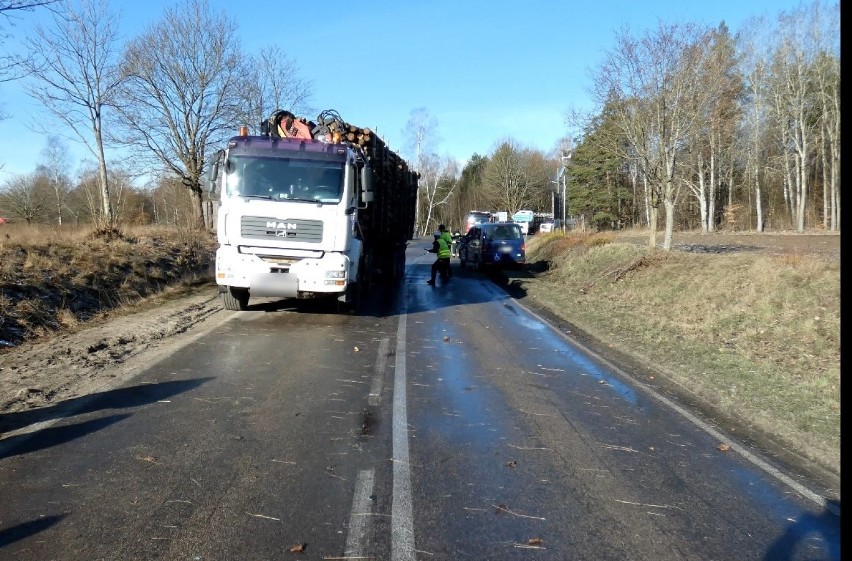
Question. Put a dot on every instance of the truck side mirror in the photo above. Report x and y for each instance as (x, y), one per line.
(366, 186)
(213, 171)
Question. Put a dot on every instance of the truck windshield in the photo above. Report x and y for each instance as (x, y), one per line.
(523, 216)
(283, 178)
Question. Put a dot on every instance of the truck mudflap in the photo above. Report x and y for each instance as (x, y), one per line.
(283, 285)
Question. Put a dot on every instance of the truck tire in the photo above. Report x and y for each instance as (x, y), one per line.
(236, 299)
(399, 266)
(352, 304)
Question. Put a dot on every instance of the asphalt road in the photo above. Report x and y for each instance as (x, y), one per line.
(443, 422)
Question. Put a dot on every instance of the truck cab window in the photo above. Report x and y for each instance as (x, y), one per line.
(284, 179)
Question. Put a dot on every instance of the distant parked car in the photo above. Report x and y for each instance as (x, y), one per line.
(545, 227)
(498, 244)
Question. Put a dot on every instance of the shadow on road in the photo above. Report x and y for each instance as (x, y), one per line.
(809, 534)
(119, 398)
(54, 436)
(26, 529)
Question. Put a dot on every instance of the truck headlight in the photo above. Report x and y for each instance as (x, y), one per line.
(335, 274)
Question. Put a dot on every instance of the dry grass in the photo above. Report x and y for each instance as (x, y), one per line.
(753, 334)
(53, 278)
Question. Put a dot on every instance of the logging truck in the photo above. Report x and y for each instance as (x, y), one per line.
(318, 214)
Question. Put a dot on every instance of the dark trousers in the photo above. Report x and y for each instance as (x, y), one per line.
(442, 265)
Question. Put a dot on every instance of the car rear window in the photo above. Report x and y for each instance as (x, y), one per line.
(504, 232)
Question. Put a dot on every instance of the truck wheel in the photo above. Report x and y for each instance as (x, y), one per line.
(353, 299)
(236, 299)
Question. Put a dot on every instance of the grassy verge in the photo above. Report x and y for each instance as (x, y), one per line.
(52, 279)
(755, 336)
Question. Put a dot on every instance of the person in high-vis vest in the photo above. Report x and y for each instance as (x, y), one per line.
(448, 237)
(442, 264)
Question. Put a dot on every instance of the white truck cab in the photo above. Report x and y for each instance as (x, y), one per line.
(287, 223)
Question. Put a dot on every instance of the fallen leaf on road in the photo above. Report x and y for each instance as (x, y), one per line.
(512, 465)
(724, 447)
(357, 349)
(298, 548)
(535, 541)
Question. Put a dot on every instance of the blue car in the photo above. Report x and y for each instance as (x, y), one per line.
(497, 244)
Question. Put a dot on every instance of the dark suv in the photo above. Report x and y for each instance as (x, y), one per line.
(495, 244)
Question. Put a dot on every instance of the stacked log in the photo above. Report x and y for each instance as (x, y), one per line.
(390, 218)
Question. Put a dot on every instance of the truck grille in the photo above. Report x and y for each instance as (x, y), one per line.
(293, 229)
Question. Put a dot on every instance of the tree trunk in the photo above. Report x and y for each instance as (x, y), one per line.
(758, 200)
(669, 205)
(700, 193)
(106, 205)
(826, 198)
(652, 226)
(197, 208)
(801, 189)
(711, 192)
(633, 215)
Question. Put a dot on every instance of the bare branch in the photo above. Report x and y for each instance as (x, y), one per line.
(181, 96)
(75, 77)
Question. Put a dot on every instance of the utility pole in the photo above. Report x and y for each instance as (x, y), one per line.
(560, 173)
(563, 171)
(553, 191)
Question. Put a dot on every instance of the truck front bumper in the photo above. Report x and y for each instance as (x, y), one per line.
(280, 276)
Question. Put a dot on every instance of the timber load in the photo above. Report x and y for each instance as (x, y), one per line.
(389, 220)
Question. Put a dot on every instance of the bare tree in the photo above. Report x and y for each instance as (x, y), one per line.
(794, 58)
(468, 194)
(753, 133)
(181, 95)
(55, 166)
(828, 75)
(85, 196)
(438, 180)
(714, 102)
(272, 81)
(11, 67)
(517, 178)
(75, 74)
(825, 26)
(26, 197)
(655, 81)
(421, 133)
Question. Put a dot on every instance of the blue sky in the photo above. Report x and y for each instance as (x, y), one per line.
(486, 70)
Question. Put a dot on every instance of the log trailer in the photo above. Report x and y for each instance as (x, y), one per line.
(319, 217)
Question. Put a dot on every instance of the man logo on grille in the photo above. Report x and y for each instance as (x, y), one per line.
(282, 225)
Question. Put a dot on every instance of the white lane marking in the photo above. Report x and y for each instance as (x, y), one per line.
(359, 525)
(777, 474)
(379, 374)
(402, 525)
